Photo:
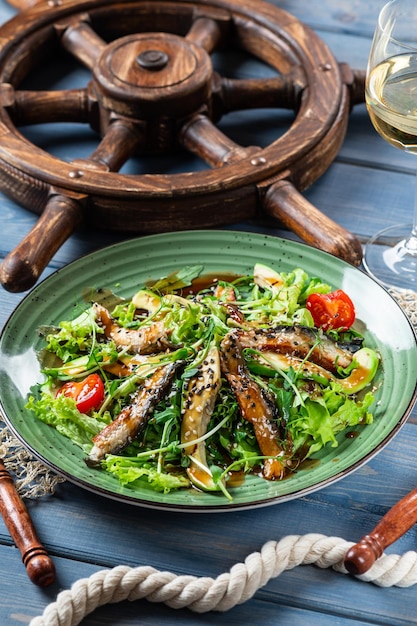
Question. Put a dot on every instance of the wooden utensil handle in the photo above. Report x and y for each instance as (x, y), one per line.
(403, 515)
(22, 267)
(39, 565)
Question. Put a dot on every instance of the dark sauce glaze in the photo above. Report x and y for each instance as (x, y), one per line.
(207, 281)
(352, 434)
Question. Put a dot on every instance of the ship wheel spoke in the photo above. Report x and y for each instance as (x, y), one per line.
(44, 107)
(201, 137)
(78, 38)
(120, 142)
(206, 33)
(282, 92)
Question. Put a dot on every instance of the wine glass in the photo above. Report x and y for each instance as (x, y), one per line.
(391, 98)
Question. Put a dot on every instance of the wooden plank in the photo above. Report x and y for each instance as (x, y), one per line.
(292, 587)
(360, 196)
(343, 16)
(198, 548)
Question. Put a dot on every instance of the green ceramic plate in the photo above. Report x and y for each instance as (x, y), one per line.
(122, 268)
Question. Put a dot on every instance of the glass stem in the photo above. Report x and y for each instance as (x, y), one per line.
(411, 243)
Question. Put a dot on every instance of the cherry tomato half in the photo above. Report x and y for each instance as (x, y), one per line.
(88, 393)
(331, 310)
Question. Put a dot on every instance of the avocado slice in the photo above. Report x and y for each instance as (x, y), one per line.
(365, 361)
(147, 300)
(267, 278)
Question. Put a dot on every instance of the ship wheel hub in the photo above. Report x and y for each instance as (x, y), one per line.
(153, 60)
(133, 69)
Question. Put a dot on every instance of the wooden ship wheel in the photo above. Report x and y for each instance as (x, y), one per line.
(153, 91)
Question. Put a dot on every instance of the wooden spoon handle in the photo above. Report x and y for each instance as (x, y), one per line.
(403, 515)
(39, 565)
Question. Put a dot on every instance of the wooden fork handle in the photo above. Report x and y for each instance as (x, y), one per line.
(39, 565)
(403, 515)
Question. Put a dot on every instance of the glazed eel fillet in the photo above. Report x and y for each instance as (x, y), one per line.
(145, 340)
(255, 406)
(134, 417)
(299, 341)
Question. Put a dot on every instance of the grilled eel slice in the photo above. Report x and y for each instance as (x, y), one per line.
(299, 341)
(199, 401)
(134, 417)
(255, 405)
(150, 338)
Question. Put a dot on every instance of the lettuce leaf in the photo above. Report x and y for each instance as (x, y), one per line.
(74, 336)
(131, 471)
(62, 414)
(319, 420)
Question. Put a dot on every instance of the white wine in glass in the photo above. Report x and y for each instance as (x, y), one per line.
(391, 99)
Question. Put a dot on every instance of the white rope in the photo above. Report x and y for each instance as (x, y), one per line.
(224, 592)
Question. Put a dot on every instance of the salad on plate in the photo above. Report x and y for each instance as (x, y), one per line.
(196, 380)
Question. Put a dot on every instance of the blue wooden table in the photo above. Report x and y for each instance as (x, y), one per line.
(369, 186)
